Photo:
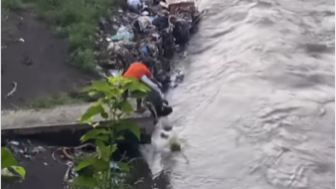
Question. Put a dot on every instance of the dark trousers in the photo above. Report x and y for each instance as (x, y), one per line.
(157, 106)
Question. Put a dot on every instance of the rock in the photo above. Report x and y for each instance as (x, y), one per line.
(164, 135)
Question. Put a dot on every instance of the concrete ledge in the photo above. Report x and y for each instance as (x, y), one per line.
(62, 116)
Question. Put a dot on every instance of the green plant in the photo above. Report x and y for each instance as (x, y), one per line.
(52, 101)
(11, 171)
(95, 169)
(12, 4)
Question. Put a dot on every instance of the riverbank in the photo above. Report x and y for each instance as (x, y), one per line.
(52, 50)
(42, 54)
(62, 119)
(123, 46)
(46, 169)
(34, 137)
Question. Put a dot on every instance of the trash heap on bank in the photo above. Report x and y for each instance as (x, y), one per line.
(155, 29)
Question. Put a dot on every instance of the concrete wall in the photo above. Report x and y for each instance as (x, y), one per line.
(56, 119)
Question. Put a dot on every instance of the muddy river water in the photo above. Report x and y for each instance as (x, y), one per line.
(256, 109)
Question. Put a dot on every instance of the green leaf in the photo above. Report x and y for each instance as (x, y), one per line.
(8, 176)
(20, 171)
(94, 134)
(104, 115)
(138, 94)
(88, 89)
(130, 126)
(105, 152)
(124, 166)
(100, 85)
(13, 174)
(102, 151)
(7, 159)
(112, 148)
(92, 111)
(84, 182)
(92, 93)
(126, 107)
(99, 164)
(136, 86)
(120, 138)
(82, 164)
(93, 162)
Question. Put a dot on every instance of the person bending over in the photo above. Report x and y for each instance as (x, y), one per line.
(139, 70)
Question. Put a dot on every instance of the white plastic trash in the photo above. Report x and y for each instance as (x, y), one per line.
(134, 3)
(114, 73)
(144, 22)
(124, 33)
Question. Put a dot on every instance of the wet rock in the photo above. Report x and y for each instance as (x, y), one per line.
(168, 128)
(164, 135)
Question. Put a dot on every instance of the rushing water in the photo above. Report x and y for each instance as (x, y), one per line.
(256, 109)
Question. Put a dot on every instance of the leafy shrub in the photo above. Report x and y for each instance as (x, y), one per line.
(96, 170)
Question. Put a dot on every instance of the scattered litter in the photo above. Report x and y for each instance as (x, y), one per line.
(135, 4)
(116, 27)
(114, 73)
(38, 149)
(143, 22)
(114, 165)
(149, 30)
(13, 90)
(111, 45)
(176, 78)
(124, 33)
(15, 143)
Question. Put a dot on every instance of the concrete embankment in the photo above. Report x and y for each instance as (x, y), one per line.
(59, 119)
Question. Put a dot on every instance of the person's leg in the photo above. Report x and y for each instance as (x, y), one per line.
(125, 95)
(139, 107)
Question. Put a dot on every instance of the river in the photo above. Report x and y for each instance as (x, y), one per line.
(256, 109)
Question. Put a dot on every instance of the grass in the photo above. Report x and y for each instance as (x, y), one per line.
(53, 101)
(74, 20)
(12, 5)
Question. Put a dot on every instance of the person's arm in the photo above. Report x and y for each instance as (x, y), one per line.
(151, 84)
(152, 78)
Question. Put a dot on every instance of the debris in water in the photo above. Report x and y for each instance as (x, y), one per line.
(164, 135)
(175, 144)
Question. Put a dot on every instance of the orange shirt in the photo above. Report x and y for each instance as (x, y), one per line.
(137, 70)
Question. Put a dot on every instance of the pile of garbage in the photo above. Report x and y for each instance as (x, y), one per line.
(28, 151)
(156, 29)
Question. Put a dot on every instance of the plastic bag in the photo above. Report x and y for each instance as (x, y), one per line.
(124, 33)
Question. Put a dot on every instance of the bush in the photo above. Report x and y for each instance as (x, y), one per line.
(95, 170)
(12, 4)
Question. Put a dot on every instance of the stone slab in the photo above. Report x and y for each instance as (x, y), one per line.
(53, 118)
